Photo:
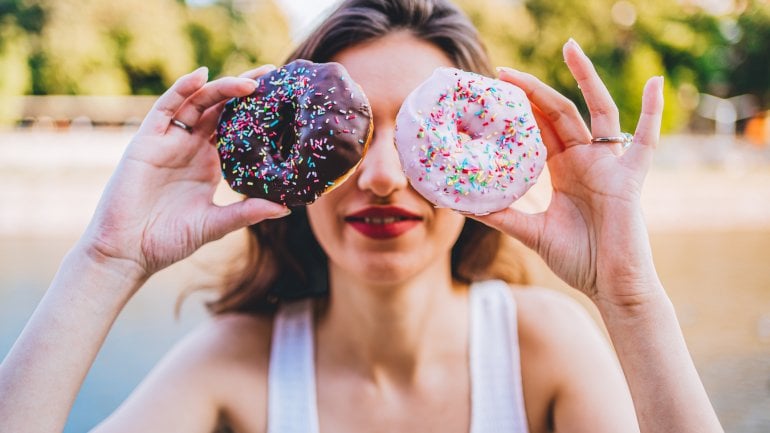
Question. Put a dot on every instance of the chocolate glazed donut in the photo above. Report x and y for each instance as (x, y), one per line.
(299, 134)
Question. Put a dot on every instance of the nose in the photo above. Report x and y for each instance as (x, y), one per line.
(380, 171)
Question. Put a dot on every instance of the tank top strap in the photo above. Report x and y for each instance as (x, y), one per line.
(496, 391)
(497, 398)
(292, 404)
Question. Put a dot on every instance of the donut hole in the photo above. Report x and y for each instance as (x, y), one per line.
(286, 140)
(284, 134)
(463, 137)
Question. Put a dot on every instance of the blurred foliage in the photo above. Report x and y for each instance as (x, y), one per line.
(230, 40)
(131, 47)
(141, 46)
(14, 52)
(630, 41)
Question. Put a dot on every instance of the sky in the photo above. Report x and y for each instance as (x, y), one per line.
(303, 14)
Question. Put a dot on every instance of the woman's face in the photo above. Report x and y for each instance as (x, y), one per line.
(375, 226)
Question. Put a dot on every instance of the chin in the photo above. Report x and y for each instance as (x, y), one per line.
(388, 268)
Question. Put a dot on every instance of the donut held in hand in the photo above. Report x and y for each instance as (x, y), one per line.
(469, 142)
(298, 135)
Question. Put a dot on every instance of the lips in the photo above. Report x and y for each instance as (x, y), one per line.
(383, 222)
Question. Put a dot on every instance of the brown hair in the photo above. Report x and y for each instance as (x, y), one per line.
(284, 260)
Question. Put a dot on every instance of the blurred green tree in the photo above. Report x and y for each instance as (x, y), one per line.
(136, 47)
(630, 41)
(14, 52)
(141, 46)
(529, 35)
(97, 47)
(232, 36)
(18, 20)
(751, 53)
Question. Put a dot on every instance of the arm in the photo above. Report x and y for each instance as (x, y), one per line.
(41, 375)
(593, 236)
(581, 387)
(667, 391)
(157, 209)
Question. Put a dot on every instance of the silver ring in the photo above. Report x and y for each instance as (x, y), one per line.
(624, 138)
(182, 125)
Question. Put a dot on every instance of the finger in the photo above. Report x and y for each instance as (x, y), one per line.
(648, 129)
(527, 228)
(210, 95)
(157, 120)
(560, 111)
(550, 138)
(605, 120)
(225, 219)
(208, 122)
(210, 117)
(257, 72)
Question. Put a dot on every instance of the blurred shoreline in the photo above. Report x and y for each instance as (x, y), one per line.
(51, 181)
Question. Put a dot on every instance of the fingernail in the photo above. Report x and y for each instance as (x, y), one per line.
(284, 212)
(507, 70)
(657, 80)
(252, 82)
(576, 45)
(202, 72)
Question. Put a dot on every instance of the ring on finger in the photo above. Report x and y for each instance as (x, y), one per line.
(624, 138)
(182, 125)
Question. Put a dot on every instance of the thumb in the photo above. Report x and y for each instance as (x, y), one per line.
(526, 228)
(225, 219)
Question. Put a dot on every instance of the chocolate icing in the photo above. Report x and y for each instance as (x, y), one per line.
(300, 133)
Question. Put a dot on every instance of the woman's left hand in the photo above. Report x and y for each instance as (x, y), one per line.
(592, 234)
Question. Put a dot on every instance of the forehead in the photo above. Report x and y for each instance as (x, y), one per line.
(390, 67)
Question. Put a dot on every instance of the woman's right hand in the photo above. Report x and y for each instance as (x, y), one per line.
(158, 206)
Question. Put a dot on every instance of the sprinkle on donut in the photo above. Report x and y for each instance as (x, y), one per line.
(469, 142)
(299, 134)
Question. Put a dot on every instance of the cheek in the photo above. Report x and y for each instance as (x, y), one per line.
(322, 220)
(447, 225)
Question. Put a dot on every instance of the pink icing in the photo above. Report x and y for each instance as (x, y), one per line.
(469, 142)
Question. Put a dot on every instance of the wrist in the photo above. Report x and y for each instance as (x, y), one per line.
(116, 276)
(635, 305)
(658, 367)
(631, 298)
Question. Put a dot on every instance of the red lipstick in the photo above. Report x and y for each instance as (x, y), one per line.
(383, 222)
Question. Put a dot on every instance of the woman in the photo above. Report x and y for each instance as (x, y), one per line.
(402, 342)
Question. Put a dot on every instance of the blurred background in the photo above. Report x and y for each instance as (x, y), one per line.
(76, 77)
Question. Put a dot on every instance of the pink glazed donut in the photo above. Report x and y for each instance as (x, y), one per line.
(469, 142)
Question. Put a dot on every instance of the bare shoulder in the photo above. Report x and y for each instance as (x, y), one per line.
(557, 328)
(238, 349)
(222, 343)
(546, 313)
(569, 370)
(233, 350)
(231, 338)
(216, 373)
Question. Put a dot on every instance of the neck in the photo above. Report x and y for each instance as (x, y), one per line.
(389, 331)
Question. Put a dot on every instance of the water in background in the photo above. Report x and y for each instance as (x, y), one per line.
(709, 228)
(145, 330)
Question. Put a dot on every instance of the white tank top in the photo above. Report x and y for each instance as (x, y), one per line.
(497, 401)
